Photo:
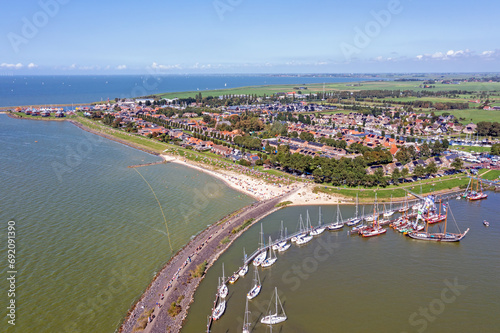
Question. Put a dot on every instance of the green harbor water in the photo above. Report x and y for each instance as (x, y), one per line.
(90, 235)
(389, 283)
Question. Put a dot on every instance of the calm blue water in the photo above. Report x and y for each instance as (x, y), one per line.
(37, 90)
(90, 233)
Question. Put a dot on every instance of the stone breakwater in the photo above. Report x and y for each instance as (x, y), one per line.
(174, 281)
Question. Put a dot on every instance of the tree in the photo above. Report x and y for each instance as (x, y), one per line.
(457, 163)
(306, 136)
(419, 171)
(207, 118)
(495, 149)
(431, 168)
(405, 172)
(294, 134)
(396, 174)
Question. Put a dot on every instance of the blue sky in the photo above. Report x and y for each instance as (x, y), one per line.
(248, 36)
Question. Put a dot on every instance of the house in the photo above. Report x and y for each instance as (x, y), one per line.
(371, 169)
(222, 150)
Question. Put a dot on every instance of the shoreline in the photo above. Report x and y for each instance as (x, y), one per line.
(188, 256)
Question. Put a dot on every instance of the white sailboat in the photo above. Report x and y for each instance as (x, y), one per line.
(282, 240)
(256, 285)
(262, 255)
(305, 237)
(319, 229)
(390, 212)
(284, 245)
(355, 220)
(223, 291)
(246, 319)
(276, 317)
(219, 309)
(301, 230)
(338, 224)
(271, 258)
(244, 270)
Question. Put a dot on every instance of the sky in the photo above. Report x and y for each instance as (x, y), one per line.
(75, 37)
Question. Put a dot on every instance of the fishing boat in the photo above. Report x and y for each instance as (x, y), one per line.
(355, 220)
(246, 319)
(439, 236)
(256, 285)
(338, 224)
(375, 229)
(271, 259)
(319, 229)
(276, 317)
(223, 291)
(263, 254)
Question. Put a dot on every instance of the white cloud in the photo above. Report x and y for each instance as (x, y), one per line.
(487, 53)
(32, 65)
(73, 66)
(121, 67)
(165, 67)
(15, 66)
(420, 56)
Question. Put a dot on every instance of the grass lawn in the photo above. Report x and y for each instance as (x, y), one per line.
(470, 149)
(384, 194)
(491, 174)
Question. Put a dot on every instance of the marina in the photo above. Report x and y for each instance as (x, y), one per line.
(300, 276)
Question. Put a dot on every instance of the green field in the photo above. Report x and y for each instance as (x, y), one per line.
(491, 175)
(472, 149)
(318, 87)
(384, 194)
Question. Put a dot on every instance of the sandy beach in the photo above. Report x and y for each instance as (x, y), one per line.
(300, 193)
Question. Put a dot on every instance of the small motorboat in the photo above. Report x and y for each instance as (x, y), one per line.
(486, 223)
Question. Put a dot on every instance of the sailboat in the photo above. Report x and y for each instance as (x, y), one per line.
(262, 255)
(219, 309)
(439, 236)
(305, 237)
(223, 291)
(256, 285)
(282, 241)
(246, 319)
(435, 218)
(338, 224)
(272, 256)
(283, 246)
(375, 229)
(405, 208)
(244, 270)
(477, 194)
(275, 318)
(319, 229)
(301, 230)
(355, 220)
(390, 212)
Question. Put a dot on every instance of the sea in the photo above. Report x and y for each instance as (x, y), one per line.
(89, 232)
(83, 89)
(346, 283)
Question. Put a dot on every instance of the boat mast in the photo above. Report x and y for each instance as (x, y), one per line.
(356, 205)
(319, 222)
